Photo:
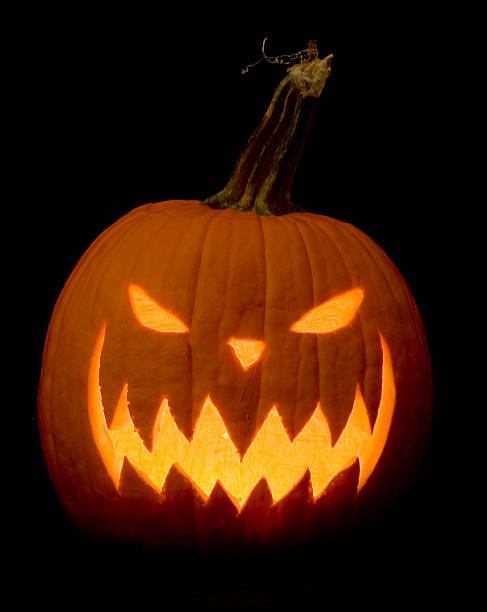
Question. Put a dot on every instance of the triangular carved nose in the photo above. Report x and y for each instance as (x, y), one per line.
(246, 351)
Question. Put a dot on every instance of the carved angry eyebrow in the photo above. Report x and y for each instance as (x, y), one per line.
(335, 313)
(153, 316)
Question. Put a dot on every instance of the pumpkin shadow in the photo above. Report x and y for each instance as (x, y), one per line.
(360, 563)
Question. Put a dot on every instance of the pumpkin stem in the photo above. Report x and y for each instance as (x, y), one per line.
(262, 179)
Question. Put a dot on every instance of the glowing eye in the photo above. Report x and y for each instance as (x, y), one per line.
(333, 314)
(151, 315)
(247, 352)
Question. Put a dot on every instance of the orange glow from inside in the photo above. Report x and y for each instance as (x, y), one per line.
(211, 456)
(151, 315)
(247, 352)
(333, 314)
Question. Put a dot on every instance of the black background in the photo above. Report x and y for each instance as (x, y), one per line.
(118, 108)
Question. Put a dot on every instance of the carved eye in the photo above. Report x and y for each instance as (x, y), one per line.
(331, 315)
(151, 315)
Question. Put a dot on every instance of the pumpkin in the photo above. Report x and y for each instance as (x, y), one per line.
(236, 371)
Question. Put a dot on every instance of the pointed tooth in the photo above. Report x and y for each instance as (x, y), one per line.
(359, 418)
(161, 418)
(122, 421)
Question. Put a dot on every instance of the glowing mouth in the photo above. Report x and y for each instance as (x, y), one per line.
(211, 456)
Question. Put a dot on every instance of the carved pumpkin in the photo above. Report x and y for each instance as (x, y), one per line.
(234, 371)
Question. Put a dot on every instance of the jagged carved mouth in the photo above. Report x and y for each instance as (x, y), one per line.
(211, 456)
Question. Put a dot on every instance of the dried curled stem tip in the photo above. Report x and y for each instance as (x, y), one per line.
(310, 77)
(305, 55)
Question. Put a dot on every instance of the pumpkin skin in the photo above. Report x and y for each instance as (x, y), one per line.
(229, 274)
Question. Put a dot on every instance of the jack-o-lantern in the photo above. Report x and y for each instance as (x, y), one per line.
(237, 370)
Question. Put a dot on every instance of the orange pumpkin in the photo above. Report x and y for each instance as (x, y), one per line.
(235, 371)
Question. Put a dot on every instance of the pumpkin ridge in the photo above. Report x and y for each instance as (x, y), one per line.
(293, 220)
(346, 230)
(147, 250)
(94, 251)
(253, 417)
(195, 411)
(385, 278)
(54, 333)
(203, 242)
(248, 397)
(390, 274)
(381, 257)
(115, 238)
(338, 418)
(392, 278)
